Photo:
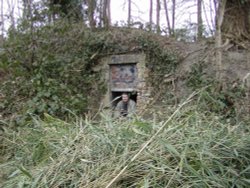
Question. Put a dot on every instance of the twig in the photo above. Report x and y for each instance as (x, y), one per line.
(151, 139)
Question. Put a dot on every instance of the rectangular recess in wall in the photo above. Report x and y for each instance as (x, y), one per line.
(123, 77)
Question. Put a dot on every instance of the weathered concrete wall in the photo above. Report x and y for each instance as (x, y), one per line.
(141, 87)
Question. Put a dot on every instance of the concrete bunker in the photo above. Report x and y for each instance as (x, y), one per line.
(125, 73)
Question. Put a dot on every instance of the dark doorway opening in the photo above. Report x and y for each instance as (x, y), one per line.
(116, 97)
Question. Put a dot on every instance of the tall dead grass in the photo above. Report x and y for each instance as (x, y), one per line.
(195, 149)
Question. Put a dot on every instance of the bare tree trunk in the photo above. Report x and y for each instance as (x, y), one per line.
(104, 11)
(236, 23)
(173, 16)
(151, 15)
(2, 18)
(129, 13)
(109, 12)
(215, 5)
(91, 10)
(218, 40)
(106, 16)
(199, 20)
(158, 9)
(167, 17)
(100, 8)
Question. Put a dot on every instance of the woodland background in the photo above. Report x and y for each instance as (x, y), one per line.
(52, 137)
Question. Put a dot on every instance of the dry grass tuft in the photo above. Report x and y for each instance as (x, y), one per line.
(194, 149)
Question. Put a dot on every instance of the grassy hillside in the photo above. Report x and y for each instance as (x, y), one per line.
(50, 69)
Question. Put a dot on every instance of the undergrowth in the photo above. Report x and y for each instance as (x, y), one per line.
(227, 101)
(194, 150)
